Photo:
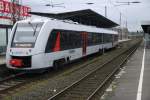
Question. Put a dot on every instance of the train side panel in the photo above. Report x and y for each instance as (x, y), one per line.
(41, 57)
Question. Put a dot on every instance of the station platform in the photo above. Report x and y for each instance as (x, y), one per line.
(2, 59)
(124, 40)
(133, 82)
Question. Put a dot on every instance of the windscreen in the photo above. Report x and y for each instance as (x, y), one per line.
(25, 34)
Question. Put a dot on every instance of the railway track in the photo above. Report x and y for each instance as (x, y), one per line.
(11, 81)
(88, 86)
(14, 81)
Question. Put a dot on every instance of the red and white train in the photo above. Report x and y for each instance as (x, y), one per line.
(42, 43)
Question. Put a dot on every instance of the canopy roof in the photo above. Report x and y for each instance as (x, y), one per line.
(146, 26)
(5, 26)
(86, 17)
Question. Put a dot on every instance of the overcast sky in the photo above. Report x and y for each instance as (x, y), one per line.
(134, 14)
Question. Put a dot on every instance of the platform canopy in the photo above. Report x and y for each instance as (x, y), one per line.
(86, 17)
(146, 26)
(5, 26)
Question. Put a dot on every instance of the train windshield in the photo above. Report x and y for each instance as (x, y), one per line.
(26, 34)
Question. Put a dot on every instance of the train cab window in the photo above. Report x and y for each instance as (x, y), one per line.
(25, 34)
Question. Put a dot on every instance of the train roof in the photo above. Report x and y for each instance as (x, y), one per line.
(67, 24)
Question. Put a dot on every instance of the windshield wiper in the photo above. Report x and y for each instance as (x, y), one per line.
(34, 29)
(31, 25)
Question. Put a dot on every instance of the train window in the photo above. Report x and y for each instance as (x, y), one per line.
(51, 41)
(100, 35)
(25, 34)
(73, 39)
(68, 40)
(115, 37)
(107, 38)
(110, 38)
(64, 38)
(89, 39)
(94, 38)
(104, 38)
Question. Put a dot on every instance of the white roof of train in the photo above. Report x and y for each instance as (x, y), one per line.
(64, 24)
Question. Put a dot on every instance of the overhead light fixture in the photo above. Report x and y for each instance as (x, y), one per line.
(90, 3)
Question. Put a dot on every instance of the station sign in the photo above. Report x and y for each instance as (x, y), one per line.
(8, 8)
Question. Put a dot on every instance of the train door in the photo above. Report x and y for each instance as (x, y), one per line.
(84, 43)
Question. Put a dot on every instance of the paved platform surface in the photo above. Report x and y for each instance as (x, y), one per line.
(127, 86)
(124, 40)
(2, 59)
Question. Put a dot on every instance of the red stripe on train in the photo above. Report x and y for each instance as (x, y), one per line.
(57, 44)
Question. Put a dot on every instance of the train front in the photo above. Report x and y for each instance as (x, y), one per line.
(21, 46)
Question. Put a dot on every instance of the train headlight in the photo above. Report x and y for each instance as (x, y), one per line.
(16, 62)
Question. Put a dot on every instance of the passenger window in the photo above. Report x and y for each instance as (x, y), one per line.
(51, 42)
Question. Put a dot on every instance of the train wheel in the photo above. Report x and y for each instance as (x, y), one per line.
(100, 51)
(56, 65)
(104, 50)
(68, 60)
